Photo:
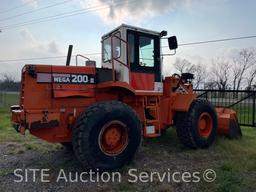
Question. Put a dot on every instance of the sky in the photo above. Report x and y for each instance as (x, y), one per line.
(189, 20)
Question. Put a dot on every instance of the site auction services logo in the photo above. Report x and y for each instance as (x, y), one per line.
(132, 176)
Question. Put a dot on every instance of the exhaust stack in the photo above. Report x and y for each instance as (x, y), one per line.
(70, 48)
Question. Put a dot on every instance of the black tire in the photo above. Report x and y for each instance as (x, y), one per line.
(86, 134)
(187, 125)
(67, 145)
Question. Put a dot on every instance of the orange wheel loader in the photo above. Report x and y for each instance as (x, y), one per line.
(103, 112)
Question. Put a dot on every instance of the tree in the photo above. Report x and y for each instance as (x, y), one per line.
(200, 75)
(199, 71)
(241, 64)
(250, 79)
(184, 66)
(251, 74)
(8, 83)
(220, 73)
(210, 85)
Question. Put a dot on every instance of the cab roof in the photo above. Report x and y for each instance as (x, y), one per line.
(133, 28)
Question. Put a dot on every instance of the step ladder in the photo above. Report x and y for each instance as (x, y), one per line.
(151, 113)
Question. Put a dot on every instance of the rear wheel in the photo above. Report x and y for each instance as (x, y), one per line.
(107, 135)
(198, 127)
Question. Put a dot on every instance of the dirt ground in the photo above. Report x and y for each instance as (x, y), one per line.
(159, 155)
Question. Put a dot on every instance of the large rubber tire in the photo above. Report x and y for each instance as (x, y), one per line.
(88, 130)
(187, 126)
(67, 145)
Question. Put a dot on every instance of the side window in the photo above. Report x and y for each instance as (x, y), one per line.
(131, 45)
(117, 45)
(146, 51)
(107, 54)
(106, 49)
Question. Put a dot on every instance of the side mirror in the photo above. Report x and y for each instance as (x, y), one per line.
(172, 42)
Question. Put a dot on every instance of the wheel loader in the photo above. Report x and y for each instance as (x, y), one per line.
(104, 112)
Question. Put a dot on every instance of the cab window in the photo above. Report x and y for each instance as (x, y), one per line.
(146, 51)
(107, 53)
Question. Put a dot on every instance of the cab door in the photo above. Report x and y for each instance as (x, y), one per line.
(144, 58)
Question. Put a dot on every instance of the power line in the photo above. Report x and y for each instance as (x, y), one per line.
(182, 44)
(64, 15)
(218, 40)
(30, 59)
(39, 9)
(214, 41)
(43, 58)
(17, 7)
(48, 18)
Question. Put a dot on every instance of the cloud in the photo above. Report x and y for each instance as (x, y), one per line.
(53, 48)
(32, 46)
(120, 11)
(26, 45)
(27, 36)
(32, 3)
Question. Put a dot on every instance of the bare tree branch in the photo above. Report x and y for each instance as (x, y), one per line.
(184, 66)
(200, 75)
(8, 83)
(220, 73)
(241, 64)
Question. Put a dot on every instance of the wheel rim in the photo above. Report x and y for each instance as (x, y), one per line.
(113, 138)
(205, 124)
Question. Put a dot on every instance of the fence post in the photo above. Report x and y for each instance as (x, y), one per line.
(253, 108)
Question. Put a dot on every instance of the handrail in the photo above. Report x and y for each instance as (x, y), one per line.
(79, 55)
(115, 59)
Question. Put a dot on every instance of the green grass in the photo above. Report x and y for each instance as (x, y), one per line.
(236, 170)
(17, 143)
(239, 162)
(8, 99)
(4, 172)
(233, 160)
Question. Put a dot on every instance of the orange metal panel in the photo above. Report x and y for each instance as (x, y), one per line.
(142, 81)
(69, 90)
(117, 84)
(225, 116)
(182, 102)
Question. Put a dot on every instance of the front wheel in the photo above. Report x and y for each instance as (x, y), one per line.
(198, 127)
(107, 135)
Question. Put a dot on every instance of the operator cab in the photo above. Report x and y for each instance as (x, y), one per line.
(134, 56)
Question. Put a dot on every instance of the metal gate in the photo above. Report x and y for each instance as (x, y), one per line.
(242, 101)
